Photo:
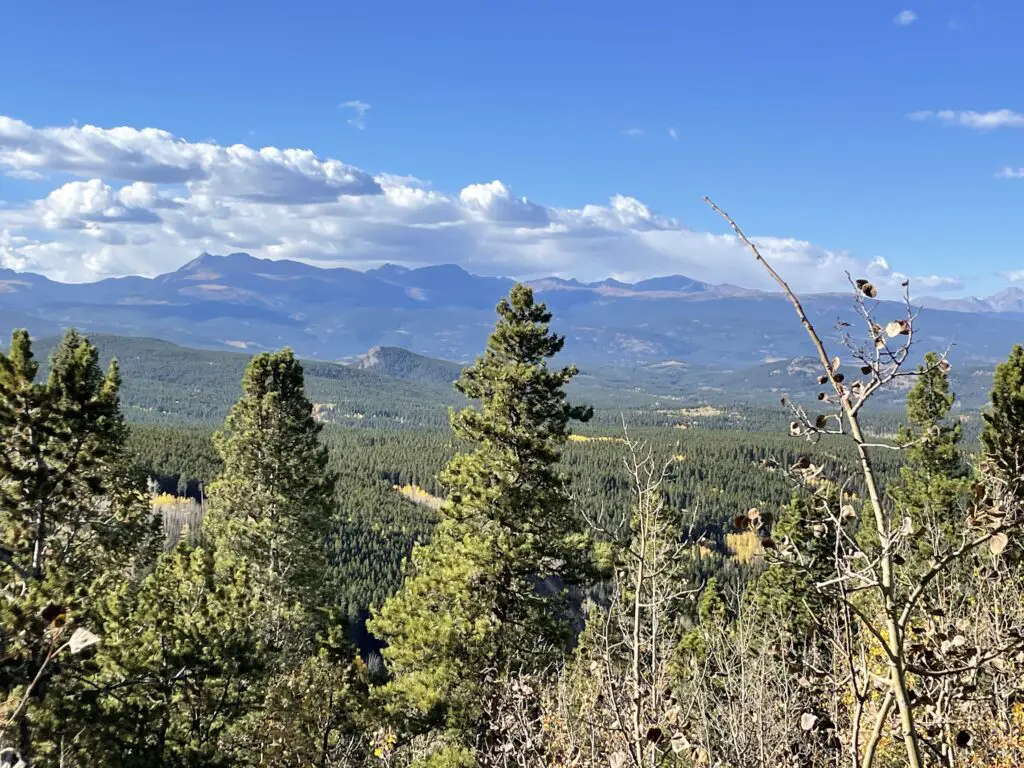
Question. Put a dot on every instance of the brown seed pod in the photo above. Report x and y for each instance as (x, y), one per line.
(822, 379)
(741, 522)
(865, 369)
(897, 328)
(768, 543)
(821, 421)
(867, 288)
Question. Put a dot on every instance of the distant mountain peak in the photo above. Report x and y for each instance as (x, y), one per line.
(447, 312)
(611, 282)
(386, 271)
(206, 261)
(1007, 300)
(441, 269)
(679, 283)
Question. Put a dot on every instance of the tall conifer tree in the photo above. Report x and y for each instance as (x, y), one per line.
(486, 596)
(74, 522)
(1003, 435)
(934, 474)
(273, 501)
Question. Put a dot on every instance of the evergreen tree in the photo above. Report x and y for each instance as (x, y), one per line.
(273, 501)
(180, 666)
(74, 521)
(486, 596)
(204, 659)
(1002, 437)
(934, 475)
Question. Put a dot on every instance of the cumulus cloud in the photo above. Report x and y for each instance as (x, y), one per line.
(495, 202)
(78, 204)
(1014, 276)
(11, 256)
(149, 201)
(999, 118)
(157, 156)
(904, 18)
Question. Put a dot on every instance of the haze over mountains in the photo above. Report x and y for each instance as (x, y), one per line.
(240, 302)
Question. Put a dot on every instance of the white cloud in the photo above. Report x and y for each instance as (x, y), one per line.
(495, 202)
(11, 256)
(1010, 173)
(159, 157)
(151, 201)
(939, 283)
(905, 18)
(1015, 275)
(633, 133)
(25, 175)
(359, 110)
(672, 134)
(1000, 118)
(78, 204)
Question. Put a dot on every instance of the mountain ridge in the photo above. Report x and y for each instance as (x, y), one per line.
(237, 301)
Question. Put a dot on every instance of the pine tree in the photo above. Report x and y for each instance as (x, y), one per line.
(183, 662)
(1002, 437)
(486, 596)
(203, 661)
(273, 502)
(74, 520)
(271, 511)
(935, 474)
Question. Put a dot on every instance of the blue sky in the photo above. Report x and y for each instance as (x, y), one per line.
(795, 115)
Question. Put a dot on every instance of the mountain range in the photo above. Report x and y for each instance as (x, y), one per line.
(244, 303)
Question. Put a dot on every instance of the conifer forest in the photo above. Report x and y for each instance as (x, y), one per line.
(533, 584)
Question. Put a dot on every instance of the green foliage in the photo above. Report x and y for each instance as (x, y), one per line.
(934, 476)
(719, 474)
(74, 520)
(784, 590)
(169, 384)
(181, 664)
(1003, 434)
(272, 502)
(712, 606)
(486, 595)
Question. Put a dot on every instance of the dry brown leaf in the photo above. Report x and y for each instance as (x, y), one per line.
(998, 543)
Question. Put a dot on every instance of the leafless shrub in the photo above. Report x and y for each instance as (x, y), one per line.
(898, 652)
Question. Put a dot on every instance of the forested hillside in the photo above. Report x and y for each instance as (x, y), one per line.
(168, 384)
(711, 474)
(390, 387)
(215, 560)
